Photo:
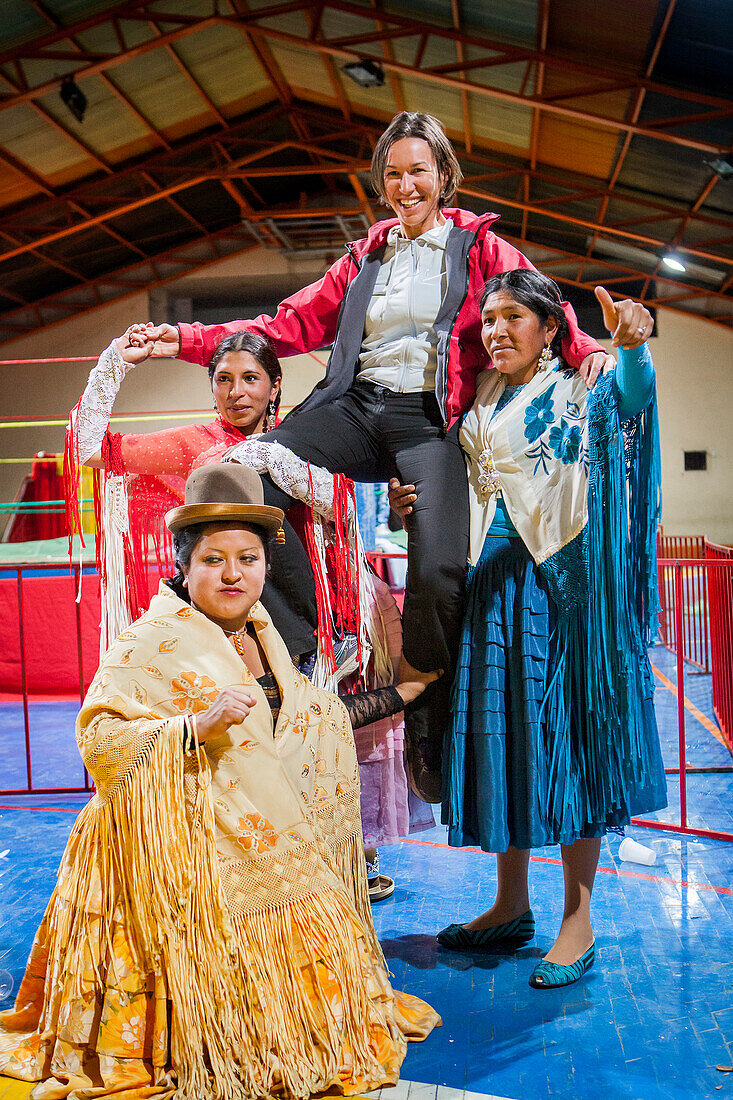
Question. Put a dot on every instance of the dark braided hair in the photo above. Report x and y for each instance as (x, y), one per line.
(535, 291)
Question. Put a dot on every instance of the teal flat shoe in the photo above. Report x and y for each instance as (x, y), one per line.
(517, 932)
(547, 975)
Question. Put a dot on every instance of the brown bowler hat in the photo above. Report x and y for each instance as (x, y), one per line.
(224, 490)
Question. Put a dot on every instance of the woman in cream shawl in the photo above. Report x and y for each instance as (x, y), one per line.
(553, 738)
(210, 933)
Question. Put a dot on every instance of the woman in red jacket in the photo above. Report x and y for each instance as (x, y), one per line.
(401, 311)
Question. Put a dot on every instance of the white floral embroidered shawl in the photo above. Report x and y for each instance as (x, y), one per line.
(538, 443)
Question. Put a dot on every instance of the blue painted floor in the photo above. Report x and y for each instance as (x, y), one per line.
(651, 1021)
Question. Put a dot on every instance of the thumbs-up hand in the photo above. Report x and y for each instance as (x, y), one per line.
(630, 323)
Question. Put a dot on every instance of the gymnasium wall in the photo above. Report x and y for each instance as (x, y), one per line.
(694, 364)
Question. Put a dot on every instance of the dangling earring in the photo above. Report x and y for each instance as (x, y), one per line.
(545, 357)
(271, 415)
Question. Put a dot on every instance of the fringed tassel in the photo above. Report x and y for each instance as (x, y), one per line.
(134, 858)
(115, 559)
(597, 669)
(306, 988)
(72, 481)
(645, 513)
(354, 601)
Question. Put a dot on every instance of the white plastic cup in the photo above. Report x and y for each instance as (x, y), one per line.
(632, 852)
(6, 984)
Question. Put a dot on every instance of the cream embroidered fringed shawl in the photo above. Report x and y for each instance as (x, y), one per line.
(210, 932)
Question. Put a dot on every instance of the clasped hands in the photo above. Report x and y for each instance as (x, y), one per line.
(148, 341)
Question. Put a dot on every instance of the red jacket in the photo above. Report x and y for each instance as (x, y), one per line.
(333, 311)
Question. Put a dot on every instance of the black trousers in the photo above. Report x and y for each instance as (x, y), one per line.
(371, 434)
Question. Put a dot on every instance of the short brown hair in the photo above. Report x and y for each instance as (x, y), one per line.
(415, 124)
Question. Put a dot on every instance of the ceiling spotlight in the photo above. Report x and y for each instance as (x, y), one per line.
(721, 167)
(73, 97)
(367, 74)
(673, 263)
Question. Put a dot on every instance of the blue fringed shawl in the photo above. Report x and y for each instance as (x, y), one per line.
(599, 753)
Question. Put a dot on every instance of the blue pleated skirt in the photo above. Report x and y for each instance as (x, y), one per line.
(495, 751)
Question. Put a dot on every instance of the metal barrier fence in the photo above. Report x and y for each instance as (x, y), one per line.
(720, 590)
(717, 570)
(694, 631)
(679, 566)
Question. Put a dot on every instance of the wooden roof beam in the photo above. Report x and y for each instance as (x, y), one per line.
(486, 91)
(136, 10)
(632, 114)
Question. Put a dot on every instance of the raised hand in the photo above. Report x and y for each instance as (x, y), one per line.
(629, 322)
(231, 706)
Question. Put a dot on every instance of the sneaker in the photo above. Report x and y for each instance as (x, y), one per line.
(345, 651)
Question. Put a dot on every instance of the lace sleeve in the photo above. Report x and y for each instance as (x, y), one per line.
(369, 706)
(311, 484)
(90, 418)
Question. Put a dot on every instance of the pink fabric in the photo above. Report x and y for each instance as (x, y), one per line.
(380, 747)
(308, 319)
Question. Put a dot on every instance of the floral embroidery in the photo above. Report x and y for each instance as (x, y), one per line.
(168, 646)
(255, 833)
(138, 693)
(565, 440)
(193, 693)
(300, 724)
(539, 414)
(573, 411)
(542, 453)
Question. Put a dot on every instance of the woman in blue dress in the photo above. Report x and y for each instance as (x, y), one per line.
(553, 738)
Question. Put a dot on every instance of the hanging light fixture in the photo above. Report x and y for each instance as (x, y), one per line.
(366, 73)
(73, 97)
(673, 263)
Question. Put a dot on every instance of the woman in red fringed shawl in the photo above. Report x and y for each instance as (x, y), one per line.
(144, 475)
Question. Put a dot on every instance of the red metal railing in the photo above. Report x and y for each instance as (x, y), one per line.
(720, 590)
(695, 621)
(678, 567)
(719, 566)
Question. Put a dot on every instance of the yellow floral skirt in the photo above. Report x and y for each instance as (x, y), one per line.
(114, 1033)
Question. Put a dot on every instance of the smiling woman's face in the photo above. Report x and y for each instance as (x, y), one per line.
(226, 574)
(412, 186)
(242, 389)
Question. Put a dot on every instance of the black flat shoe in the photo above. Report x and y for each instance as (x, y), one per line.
(517, 931)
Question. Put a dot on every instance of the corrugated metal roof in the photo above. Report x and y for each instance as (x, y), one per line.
(174, 104)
